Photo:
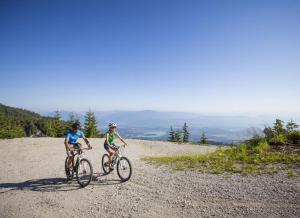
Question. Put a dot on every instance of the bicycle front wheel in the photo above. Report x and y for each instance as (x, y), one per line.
(84, 172)
(124, 169)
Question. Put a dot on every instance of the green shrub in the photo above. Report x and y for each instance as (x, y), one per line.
(294, 137)
(278, 139)
(244, 159)
(261, 147)
(255, 140)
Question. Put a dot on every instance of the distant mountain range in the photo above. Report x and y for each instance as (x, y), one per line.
(155, 125)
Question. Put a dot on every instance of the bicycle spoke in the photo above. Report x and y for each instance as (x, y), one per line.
(124, 169)
(84, 172)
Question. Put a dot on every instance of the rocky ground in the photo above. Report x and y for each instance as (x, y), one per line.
(32, 184)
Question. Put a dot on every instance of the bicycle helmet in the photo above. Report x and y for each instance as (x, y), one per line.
(112, 125)
(76, 126)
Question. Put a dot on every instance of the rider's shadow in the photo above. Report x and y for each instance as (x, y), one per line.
(42, 185)
(103, 179)
(56, 184)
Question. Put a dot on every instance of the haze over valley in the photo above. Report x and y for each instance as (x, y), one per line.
(155, 125)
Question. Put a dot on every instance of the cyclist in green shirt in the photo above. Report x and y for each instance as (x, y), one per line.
(109, 144)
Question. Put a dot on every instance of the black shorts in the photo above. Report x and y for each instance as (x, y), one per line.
(71, 153)
(107, 146)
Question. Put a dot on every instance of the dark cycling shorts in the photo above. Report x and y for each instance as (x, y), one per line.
(75, 146)
(106, 146)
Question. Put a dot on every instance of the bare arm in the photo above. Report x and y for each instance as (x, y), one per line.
(106, 139)
(86, 141)
(122, 140)
(67, 144)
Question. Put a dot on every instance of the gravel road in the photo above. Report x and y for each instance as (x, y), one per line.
(32, 184)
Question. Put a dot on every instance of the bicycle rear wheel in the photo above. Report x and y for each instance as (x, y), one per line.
(69, 173)
(84, 172)
(124, 169)
(105, 164)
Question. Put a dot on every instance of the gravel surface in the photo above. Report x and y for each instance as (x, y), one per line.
(32, 184)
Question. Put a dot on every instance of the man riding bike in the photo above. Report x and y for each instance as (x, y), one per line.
(70, 142)
(109, 144)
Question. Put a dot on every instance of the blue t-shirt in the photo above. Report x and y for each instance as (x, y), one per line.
(72, 136)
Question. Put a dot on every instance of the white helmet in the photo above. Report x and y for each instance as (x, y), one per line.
(112, 125)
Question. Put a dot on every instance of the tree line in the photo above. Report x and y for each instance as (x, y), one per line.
(182, 136)
(15, 123)
(278, 134)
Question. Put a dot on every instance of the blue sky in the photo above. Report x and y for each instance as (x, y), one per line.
(221, 56)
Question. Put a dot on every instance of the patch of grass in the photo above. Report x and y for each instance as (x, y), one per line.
(243, 159)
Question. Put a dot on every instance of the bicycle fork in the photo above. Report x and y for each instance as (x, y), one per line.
(81, 166)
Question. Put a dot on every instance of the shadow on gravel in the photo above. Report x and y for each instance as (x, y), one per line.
(101, 179)
(56, 184)
(42, 185)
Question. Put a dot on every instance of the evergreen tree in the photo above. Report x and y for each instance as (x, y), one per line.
(42, 125)
(90, 125)
(10, 128)
(51, 131)
(58, 125)
(279, 126)
(291, 125)
(186, 133)
(203, 139)
(30, 128)
(171, 135)
(178, 136)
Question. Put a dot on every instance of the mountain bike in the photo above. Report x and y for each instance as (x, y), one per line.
(81, 166)
(123, 164)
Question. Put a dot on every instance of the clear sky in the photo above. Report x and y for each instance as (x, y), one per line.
(209, 56)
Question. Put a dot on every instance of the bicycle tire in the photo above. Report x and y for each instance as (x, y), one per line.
(88, 177)
(106, 170)
(118, 169)
(68, 174)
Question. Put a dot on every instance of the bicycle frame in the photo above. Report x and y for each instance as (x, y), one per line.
(118, 153)
(79, 154)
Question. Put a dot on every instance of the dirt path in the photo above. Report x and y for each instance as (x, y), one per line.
(32, 184)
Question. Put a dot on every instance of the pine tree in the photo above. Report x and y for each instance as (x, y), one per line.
(51, 131)
(90, 125)
(203, 139)
(178, 136)
(279, 126)
(171, 135)
(291, 125)
(29, 128)
(186, 133)
(58, 125)
(10, 128)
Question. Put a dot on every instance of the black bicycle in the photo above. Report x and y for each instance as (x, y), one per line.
(81, 166)
(124, 168)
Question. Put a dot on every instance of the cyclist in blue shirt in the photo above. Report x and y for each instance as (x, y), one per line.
(71, 141)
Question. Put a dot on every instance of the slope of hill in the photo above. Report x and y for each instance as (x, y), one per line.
(18, 113)
(16, 122)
